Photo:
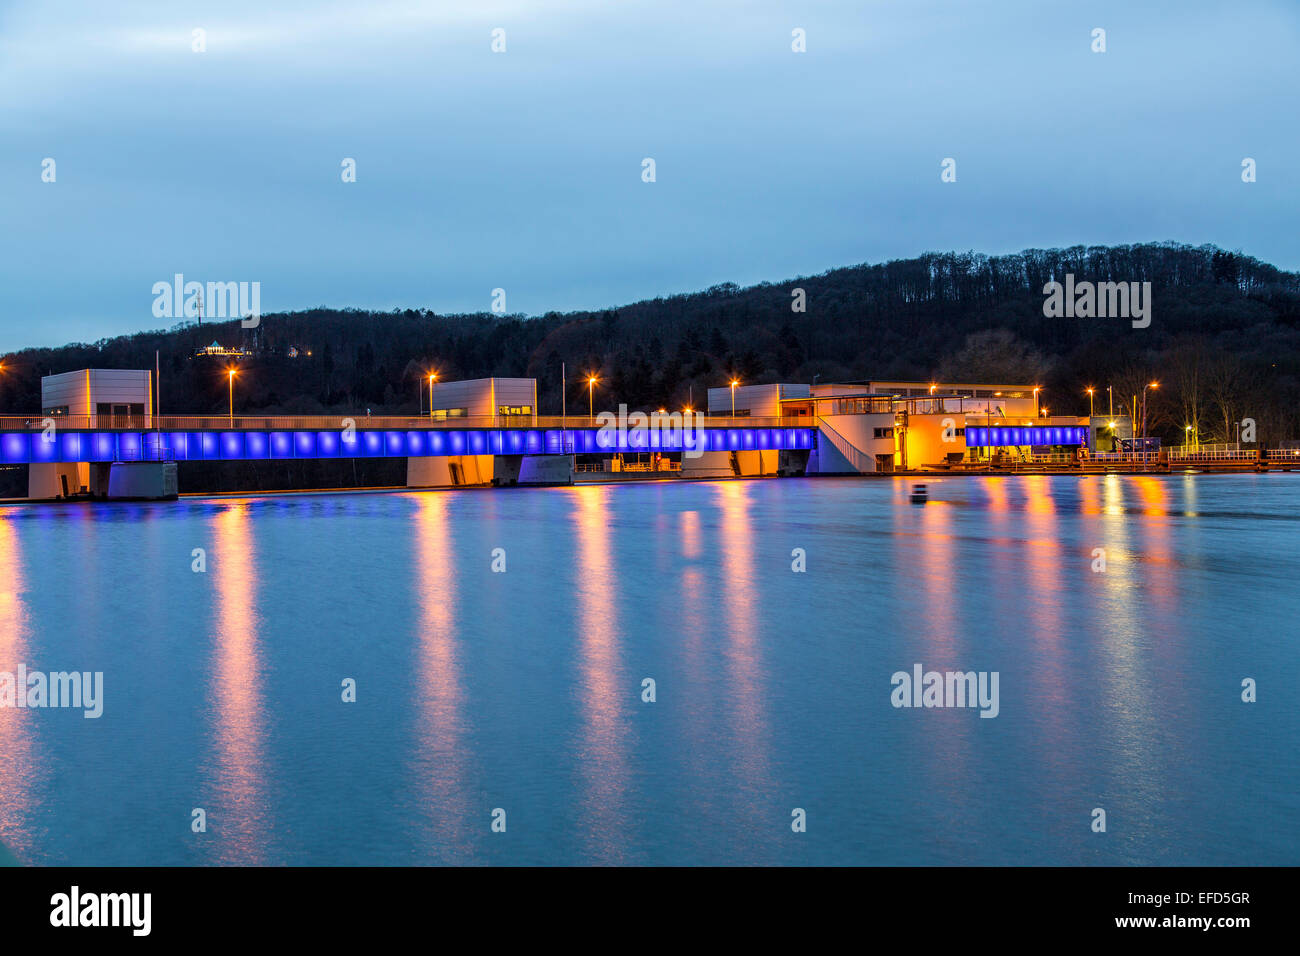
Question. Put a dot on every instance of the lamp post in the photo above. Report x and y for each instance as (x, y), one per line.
(231, 381)
(1144, 406)
(1037, 389)
(1110, 395)
(591, 399)
(734, 383)
(433, 377)
(1090, 413)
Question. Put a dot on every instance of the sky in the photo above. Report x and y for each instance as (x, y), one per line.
(522, 170)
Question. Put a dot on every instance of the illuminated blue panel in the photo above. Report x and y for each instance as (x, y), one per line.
(231, 446)
(180, 445)
(256, 445)
(155, 446)
(534, 442)
(44, 449)
(103, 446)
(477, 443)
(372, 444)
(15, 449)
(72, 446)
(417, 444)
(513, 442)
(129, 446)
(304, 444)
(204, 445)
(394, 444)
(455, 443)
(281, 444)
(437, 443)
(350, 445)
(328, 445)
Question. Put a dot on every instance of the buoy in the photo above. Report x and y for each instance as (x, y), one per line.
(919, 495)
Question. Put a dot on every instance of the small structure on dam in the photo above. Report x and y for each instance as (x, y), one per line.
(73, 403)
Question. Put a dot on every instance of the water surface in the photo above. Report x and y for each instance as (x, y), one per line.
(522, 690)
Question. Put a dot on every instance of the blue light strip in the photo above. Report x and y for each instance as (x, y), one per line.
(22, 448)
(1003, 436)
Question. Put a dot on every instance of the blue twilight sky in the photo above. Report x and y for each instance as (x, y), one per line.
(522, 169)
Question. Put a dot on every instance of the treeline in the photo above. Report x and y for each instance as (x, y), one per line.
(1224, 341)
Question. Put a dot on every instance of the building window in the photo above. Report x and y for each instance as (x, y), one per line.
(884, 433)
(514, 410)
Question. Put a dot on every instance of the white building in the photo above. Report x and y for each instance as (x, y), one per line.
(100, 398)
(104, 396)
(485, 398)
(753, 401)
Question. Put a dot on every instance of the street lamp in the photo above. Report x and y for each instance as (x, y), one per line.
(1089, 391)
(231, 382)
(1144, 406)
(1037, 389)
(1110, 397)
(433, 377)
(734, 383)
(591, 407)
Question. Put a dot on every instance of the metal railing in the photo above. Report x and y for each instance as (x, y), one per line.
(1230, 452)
(179, 423)
(1127, 457)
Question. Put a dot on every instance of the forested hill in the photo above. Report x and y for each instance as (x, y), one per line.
(1224, 341)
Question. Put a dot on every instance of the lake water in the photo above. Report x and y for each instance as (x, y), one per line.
(476, 690)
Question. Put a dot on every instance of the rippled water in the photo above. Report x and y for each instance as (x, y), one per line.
(522, 690)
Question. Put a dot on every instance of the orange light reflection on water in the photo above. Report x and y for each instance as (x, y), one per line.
(441, 717)
(603, 740)
(240, 814)
(18, 760)
(749, 734)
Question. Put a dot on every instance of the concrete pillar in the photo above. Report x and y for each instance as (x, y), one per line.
(142, 480)
(710, 464)
(505, 470)
(546, 470)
